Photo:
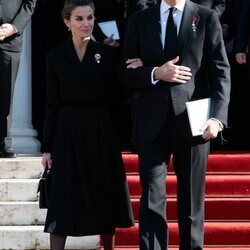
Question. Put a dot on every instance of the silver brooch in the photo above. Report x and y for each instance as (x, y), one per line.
(97, 57)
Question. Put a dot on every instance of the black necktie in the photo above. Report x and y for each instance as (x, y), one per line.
(170, 47)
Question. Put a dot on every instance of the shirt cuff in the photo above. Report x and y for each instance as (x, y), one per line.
(15, 28)
(220, 123)
(153, 81)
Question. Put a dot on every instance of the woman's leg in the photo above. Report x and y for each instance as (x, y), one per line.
(108, 241)
(57, 241)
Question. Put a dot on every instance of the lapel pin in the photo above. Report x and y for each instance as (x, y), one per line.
(193, 24)
(97, 57)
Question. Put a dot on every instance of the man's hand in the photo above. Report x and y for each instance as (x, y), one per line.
(6, 30)
(111, 42)
(241, 58)
(46, 160)
(211, 129)
(170, 72)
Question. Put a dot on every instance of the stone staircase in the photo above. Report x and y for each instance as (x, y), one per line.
(21, 220)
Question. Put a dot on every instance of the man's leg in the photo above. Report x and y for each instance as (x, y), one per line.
(9, 63)
(152, 218)
(190, 168)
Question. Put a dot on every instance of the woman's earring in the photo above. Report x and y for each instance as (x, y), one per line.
(68, 28)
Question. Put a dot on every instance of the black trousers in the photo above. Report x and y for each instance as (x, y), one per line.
(189, 158)
(9, 64)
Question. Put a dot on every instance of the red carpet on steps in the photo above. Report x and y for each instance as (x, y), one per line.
(217, 162)
(221, 247)
(215, 208)
(217, 233)
(216, 185)
(205, 248)
(227, 205)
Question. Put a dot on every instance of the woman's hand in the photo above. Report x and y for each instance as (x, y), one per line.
(134, 63)
(46, 160)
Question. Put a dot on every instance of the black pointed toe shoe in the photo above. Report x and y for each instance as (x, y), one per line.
(6, 151)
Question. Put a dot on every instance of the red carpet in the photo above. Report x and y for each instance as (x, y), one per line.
(216, 185)
(227, 207)
(205, 248)
(217, 233)
(237, 208)
(217, 163)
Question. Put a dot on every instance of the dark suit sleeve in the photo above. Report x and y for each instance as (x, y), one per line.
(98, 34)
(52, 105)
(119, 92)
(218, 69)
(243, 28)
(141, 76)
(24, 14)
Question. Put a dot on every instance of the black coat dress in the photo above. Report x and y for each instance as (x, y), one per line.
(89, 193)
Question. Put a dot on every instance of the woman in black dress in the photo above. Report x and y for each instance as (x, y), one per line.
(89, 192)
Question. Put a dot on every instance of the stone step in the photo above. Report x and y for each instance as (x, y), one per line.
(33, 237)
(21, 213)
(18, 189)
(21, 168)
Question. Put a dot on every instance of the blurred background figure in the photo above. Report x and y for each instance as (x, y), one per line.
(137, 5)
(236, 135)
(217, 5)
(243, 32)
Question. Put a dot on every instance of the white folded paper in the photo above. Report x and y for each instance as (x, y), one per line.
(109, 28)
(198, 113)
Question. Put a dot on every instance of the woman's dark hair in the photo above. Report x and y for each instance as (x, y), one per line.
(70, 5)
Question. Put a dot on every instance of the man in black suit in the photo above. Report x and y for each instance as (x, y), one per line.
(242, 86)
(111, 10)
(163, 85)
(14, 15)
(137, 5)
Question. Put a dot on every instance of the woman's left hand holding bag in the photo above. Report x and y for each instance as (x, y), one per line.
(46, 160)
(45, 182)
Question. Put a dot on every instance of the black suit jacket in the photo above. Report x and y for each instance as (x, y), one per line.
(137, 5)
(230, 18)
(111, 10)
(195, 48)
(18, 13)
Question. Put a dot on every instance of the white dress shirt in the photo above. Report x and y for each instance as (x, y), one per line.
(177, 16)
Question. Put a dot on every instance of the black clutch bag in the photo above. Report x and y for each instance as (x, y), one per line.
(44, 189)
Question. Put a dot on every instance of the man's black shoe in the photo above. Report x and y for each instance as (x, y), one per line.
(7, 153)
(5, 150)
